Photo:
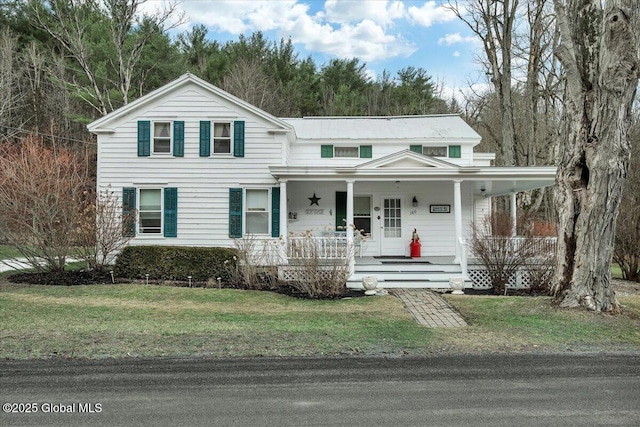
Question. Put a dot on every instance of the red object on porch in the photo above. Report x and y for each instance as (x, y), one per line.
(415, 249)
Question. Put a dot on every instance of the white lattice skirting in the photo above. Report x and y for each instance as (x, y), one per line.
(521, 280)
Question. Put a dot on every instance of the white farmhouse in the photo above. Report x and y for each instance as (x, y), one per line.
(202, 168)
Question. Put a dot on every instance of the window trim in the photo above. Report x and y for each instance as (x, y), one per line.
(370, 216)
(336, 147)
(213, 137)
(443, 147)
(447, 148)
(153, 138)
(139, 231)
(245, 210)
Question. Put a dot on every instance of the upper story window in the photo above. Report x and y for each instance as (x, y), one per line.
(354, 151)
(434, 151)
(346, 152)
(226, 138)
(162, 138)
(450, 151)
(222, 138)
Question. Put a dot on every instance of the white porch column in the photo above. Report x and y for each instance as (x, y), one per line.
(284, 221)
(514, 214)
(457, 216)
(352, 259)
(349, 212)
(284, 215)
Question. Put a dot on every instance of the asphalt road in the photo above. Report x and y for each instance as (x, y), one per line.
(491, 390)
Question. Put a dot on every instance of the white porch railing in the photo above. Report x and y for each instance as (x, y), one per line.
(325, 247)
(541, 245)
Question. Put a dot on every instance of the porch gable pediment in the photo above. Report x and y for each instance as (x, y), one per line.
(407, 159)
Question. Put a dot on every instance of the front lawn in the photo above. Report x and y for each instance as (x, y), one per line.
(136, 320)
(7, 252)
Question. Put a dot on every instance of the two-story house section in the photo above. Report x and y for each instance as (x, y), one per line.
(201, 167)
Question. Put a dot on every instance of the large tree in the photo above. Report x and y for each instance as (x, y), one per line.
(599, 50)
(493, 22)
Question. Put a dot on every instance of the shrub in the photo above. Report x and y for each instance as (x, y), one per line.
(174, 262)
(500, 253)
(254, 268)
(316, 273)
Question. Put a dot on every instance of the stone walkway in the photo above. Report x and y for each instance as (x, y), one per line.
(428, 308)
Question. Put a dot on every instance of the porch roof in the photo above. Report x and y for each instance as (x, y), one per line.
(486, 180)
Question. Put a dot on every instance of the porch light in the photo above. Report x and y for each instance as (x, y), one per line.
(415, 201)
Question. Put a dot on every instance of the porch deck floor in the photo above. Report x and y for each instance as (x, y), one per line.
(436, 260)
(428, 308)
(369, 260)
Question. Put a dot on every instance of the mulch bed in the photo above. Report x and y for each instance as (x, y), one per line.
(82, 277)
(64, 278)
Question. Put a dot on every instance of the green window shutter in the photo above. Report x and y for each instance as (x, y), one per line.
(454, 152)
(326, 151)
(128, 209)
(178, 139)
(366, 151)
(235, 212)
(144, 138)
(341, 210)
(416, 148)
(275, 212)
(205, 139)
(170, 212)
(238, 138)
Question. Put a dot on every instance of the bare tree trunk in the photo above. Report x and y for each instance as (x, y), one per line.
(599, 51)
(493, 22)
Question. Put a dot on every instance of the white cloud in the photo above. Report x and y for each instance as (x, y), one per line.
(380, 12)
(456, 53)
(454, 38)
(344, 29)
(430, 13)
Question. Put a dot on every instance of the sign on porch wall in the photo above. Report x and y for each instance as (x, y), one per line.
(440, 208)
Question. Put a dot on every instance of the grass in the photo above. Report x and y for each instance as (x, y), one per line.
(526, 323)
(136, 320)
(7, 252)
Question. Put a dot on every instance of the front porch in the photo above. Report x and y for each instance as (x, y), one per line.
(427, 272)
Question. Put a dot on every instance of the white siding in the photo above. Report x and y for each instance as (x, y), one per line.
(307, 153)
(203, 182)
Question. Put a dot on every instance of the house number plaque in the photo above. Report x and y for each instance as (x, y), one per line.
(440, 208)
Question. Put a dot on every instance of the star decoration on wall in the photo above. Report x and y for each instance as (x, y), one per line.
(314, 200)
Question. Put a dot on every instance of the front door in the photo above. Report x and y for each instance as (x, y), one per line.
(393, 242)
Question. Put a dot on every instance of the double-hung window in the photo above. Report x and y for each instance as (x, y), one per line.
(257, 211)
(150, 211)
(162, 137)
(254, 211)
(362, 214)
(222, 138)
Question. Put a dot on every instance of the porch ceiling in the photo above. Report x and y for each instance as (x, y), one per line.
(487, 181)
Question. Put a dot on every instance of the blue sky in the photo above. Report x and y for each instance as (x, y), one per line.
(385, 34)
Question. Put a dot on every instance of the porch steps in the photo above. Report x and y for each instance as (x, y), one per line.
(407, 275)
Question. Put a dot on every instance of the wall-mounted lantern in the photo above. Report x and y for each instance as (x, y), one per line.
(415, 202)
